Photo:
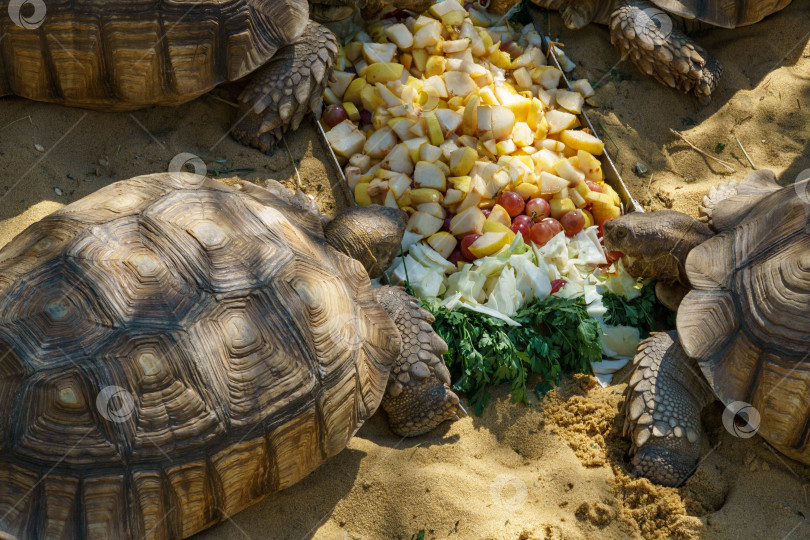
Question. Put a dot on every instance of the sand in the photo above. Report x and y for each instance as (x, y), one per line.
(557, 469)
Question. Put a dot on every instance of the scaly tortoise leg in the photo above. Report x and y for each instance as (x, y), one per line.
(663, 401)
(643, 34)
(282, 92)
(418, 397)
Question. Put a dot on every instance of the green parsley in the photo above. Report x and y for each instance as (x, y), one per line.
(556, 335)
(644, 312)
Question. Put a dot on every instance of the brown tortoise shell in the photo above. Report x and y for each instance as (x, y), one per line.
(218, 315)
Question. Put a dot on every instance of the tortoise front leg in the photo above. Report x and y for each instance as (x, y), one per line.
(662, 404)
(418, 397)
(644, 34)
(282, 92)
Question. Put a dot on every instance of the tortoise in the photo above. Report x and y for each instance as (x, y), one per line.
(121, 56)
(647, 32)
(174, 349)
(743, 330)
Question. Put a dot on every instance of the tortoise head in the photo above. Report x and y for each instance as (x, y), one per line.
(326, 11)
(655, 244)
(369, 234)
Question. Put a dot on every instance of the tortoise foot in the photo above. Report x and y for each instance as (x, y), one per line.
(662, 405)
(281, 93)
(418, 397)
(644, 34)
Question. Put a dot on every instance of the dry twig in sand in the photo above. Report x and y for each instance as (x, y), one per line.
(701, 152)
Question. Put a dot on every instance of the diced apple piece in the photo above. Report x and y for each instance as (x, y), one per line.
(435, 86)
(339, 81)
(550, 183)
(490, 146)
(560, 207)
(449, 120)
(430, 153)
(503, 121)
(346, 139)
(361, 196)
(559, 121)
(472, 199)
(428, 175)
(468, 221)
(351, 111)
(453, 196)
(599, 199)
(384, 72)
(424, 224)
(498, 227)
(499, 181)
(590, 165)
(535, 113)
(489, 244)
(400, 36)
(522, 134)
(581, 140)
(435, 66)
(566, 170)
(420, 57)
(433, 208)
(583, 87)
(523, 78)
(353, 91)
(462, 161)
(579, 200)
(443, 243)
(459, 83)
(427, 35)
(548, 77)
(399, 185)
(380, 143)
(527, 190)
(370, 98)
(447, 148)
(460, 183)
(361, 161)
(454, 46)
(434, 128)
(470, 116)
(505, 147)
(423, 195)
(414, 147)
(398, 160)
(484, 121)
(353, 51)
(379, 52)
(499, 213)
(602, 213)
(570, 101)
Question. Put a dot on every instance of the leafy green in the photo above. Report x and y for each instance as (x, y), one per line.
(556, 335)
(644, 312)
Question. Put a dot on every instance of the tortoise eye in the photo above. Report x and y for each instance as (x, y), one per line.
(621, 233)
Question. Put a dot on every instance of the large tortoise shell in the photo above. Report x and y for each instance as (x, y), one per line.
(746, 320)
(724, 13)
(172, 352)
(124, 55)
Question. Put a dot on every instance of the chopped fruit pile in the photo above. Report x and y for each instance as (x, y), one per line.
(463, 125)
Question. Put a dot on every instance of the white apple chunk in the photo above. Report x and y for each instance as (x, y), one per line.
(443, 242)
(570, 101)
(346, 139)
(503, 121)
(398, 160)
(380, 143)
(379, 52)
(400, 36)
(559, 120)
(469, 221)
(548, 77)
(429, 175)
(435, 85)
(550, 183)
(427, 35)
(433, 208)
(430, 153)
(339, 81)
(566, 170)
(449, 120)
(399, 184)
(459, 83)
(424, 224)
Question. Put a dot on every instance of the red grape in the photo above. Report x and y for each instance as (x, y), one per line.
(512, 203)
(593, 186)
(446, 224)
(544, 231)
(538, 209)
(573, 222)
(456, 256)
(465, 244)
(557, 284)
(365, 118)
(522, 224)
(334, 114)
(486, 211)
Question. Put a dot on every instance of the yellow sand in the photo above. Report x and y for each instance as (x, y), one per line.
(556, 470)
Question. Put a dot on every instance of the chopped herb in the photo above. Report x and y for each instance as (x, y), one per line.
(644, 312)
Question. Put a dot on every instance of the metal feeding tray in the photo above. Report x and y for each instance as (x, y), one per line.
(609, 171)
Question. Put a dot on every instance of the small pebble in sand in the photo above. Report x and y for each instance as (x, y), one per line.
(39, 148)
(57, 191)
(641, 168)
